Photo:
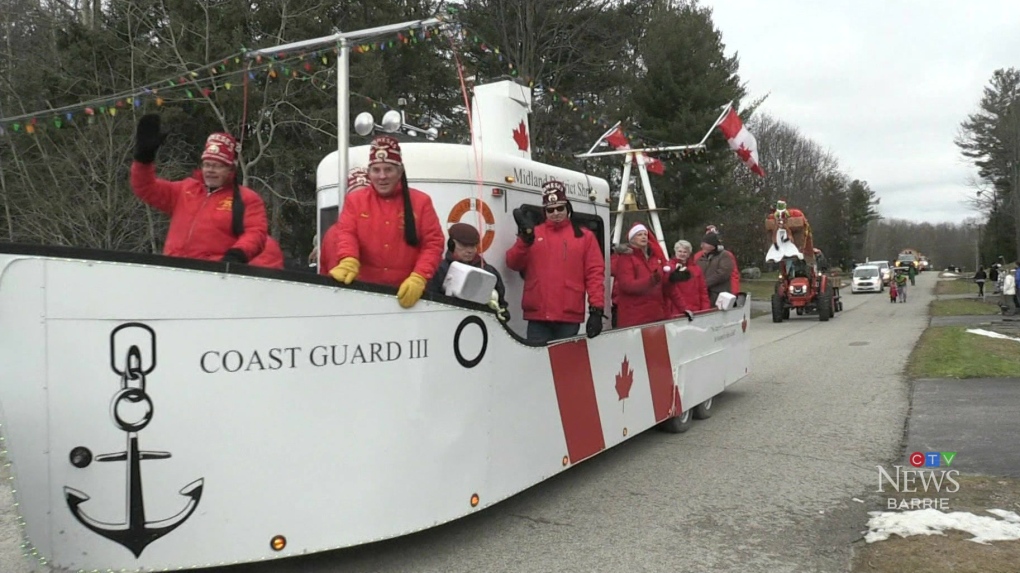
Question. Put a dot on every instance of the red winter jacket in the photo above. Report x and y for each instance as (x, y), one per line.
(614, 260)
(639, 277)
(327, 251)
(558, 269)
(691, 294)
(201, 223)
(372, 231)
(271, 256)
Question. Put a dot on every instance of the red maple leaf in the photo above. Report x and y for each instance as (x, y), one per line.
(521, 137)
(744, 153)
(624, 380)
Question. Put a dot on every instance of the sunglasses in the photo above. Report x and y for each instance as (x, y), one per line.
(558, 209)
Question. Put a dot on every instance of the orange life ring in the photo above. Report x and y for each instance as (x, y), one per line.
(465, 205)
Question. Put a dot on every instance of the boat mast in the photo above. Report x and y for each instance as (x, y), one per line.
(342, 40)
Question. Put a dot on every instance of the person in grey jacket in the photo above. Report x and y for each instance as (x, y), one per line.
(717, 265)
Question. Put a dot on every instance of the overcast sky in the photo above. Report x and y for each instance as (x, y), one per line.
(882, 85)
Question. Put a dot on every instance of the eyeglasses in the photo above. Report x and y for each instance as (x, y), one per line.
(558, 209)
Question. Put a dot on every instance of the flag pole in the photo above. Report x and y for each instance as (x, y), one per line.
(624, 188)
(646, 186)
(726, 109)
(611, 129)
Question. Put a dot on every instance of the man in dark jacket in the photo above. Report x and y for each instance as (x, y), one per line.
(717, 265)
(462, 247)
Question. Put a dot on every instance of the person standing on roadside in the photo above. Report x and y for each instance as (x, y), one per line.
(980, 277)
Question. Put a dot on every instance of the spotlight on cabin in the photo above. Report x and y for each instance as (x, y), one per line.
(364, 123)
(391, 121)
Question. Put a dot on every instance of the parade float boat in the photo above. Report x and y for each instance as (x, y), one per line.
(161, 413)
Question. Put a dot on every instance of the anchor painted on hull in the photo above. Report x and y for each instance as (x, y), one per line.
(135, 533)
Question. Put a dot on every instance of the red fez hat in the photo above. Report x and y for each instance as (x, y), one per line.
(385, 149)
(554, 193)
(220, 147)
(357, 178)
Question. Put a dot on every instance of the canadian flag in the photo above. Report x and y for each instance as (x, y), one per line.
(618, 140)
(741, 141)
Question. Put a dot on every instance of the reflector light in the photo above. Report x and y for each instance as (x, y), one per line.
(278, 542)
(566, 460)
(474, 500)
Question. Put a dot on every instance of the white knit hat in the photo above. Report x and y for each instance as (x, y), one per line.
(637, 228)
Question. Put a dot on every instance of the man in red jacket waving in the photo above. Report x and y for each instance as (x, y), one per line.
(211, 217)
(561, 261)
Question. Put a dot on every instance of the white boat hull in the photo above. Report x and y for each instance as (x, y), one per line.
(324, 414)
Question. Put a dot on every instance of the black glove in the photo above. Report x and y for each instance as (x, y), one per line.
(234, 256)
(594, 326)
(678, 276)
(148, 138)
(690, 316)
(525, 226)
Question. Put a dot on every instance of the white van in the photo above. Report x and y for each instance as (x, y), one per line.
(867, 278)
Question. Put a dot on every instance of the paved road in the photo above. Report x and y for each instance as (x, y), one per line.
(976, 418)
(765, 485)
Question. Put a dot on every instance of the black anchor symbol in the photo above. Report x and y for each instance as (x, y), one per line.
(136, 533)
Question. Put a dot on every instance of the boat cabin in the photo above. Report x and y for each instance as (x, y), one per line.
(482, 184)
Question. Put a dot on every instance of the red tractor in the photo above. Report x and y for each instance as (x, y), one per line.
(801, 288)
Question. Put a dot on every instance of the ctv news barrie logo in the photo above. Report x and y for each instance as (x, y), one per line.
(930, 480)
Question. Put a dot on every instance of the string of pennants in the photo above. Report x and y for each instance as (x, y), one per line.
(204, 82)
(230, 72)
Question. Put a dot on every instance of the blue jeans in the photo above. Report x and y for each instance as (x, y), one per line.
(542, 332)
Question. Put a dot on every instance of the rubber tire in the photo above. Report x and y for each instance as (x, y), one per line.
(824, 306)
(800, 311)
(678, 424)
(786, 314)
(777, 308)
(703, 411)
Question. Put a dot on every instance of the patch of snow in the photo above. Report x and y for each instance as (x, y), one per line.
(990, 334)
(934, 522)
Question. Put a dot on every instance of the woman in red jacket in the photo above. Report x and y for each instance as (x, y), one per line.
(639, 276)
(685, 288)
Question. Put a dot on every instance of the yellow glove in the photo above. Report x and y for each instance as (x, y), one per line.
(411, 290)
(346, 271)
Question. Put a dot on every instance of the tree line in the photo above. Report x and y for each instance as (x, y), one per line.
(657, 66)
(989, 139)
